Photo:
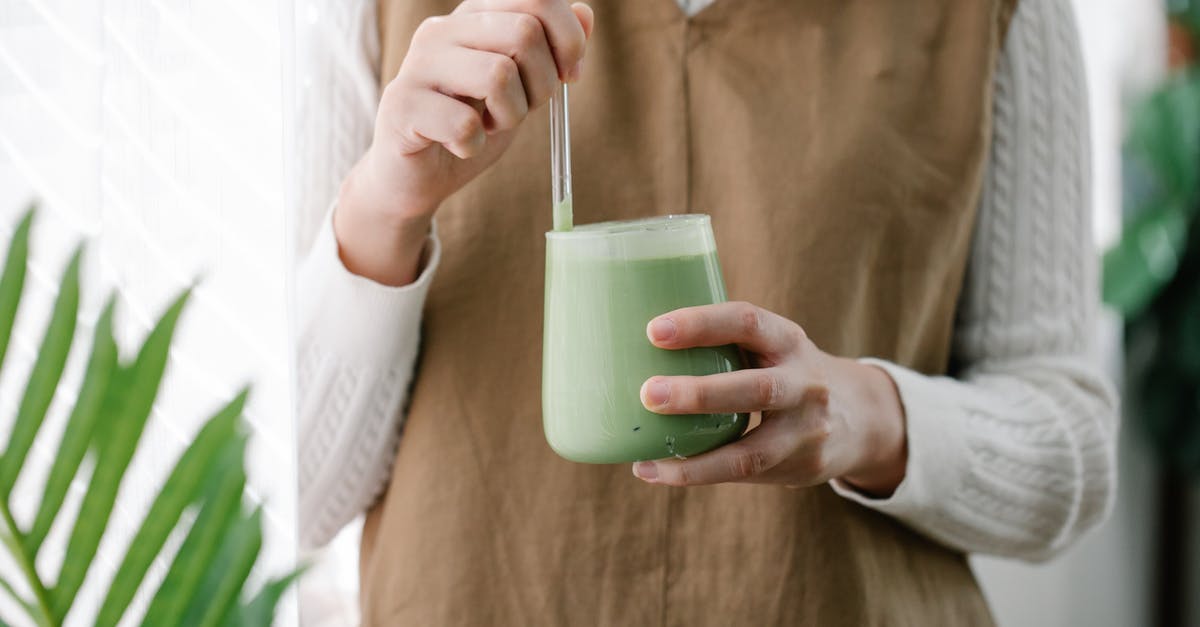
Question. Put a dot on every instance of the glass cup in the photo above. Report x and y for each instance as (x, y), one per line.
(604, 283)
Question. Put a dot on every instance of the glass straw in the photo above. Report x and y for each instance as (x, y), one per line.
(560, 160)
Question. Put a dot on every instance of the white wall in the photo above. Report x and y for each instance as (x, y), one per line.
(1104, 581)
(153, 129)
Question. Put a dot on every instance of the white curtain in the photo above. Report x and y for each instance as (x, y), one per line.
(153, 129)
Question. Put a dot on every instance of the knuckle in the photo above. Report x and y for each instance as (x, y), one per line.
(698, 397)
(821, 430)
(768, 388)
(572, 48)
(750, 319)
(509, 122)
(392, 96)
(412, 67)
(466, 127)
(395, 119)
(528, 31)
(683, 475)
(795, 338)
(428, 29)
(407, 138)
(816, 397)
(824, 430)
(747, 463)
(501, 74)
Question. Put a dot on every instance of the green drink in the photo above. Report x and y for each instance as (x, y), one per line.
(604, 283)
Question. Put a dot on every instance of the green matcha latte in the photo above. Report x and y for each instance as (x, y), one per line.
(604, 283)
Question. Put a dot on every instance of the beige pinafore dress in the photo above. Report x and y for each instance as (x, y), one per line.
(839, 147)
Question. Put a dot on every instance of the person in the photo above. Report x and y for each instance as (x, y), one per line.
(900, 199)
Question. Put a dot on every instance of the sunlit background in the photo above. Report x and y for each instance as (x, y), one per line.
(153, 129)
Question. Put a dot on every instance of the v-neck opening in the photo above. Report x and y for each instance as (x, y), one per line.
(688, 17)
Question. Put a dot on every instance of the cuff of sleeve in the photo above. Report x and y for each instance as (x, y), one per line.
(937, 453)
(357, 319)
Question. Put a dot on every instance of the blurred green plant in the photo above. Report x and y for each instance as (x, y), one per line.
(1152, 276)
(206, 582)
(1185, 12)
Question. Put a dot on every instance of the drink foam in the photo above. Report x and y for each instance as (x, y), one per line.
(659, 237)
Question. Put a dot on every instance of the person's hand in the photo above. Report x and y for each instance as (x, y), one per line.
(468, 80)
(823, 417)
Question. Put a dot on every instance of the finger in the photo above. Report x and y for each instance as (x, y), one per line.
(426, 117)
(563, 28)
(752, 456)
(586, 17)
(491, 78)
(515, 35)
(744, 391)
(746, 325)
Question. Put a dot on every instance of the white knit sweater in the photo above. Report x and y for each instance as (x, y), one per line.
(1013, 456)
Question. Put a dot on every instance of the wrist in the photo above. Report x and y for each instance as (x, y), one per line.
(884, 447)
(381, 243)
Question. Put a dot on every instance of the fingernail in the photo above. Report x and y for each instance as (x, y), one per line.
(645, 470)
(661, 329)
(656, 393)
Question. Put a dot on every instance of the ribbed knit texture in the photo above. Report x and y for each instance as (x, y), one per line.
(1013, 456)
(357, 340)
(1016, 457)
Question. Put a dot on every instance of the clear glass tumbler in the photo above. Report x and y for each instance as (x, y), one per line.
(604, 283)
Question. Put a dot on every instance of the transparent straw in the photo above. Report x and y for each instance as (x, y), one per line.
(560, 160)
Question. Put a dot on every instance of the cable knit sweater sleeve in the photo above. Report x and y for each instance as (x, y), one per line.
(1012, 456)
(356, 340)
(1016, 455)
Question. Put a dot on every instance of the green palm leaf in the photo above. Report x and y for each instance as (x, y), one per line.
(208, 575)
(217, 595)
(80, 427)
(13, 279)
(184, 487)
(260, 611)
(43, 379)
(197, 553)
(30, 608)
(132, 400)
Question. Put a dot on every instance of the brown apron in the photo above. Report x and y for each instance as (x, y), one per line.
(838, 146)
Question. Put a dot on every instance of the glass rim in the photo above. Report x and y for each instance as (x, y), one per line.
(609, 228)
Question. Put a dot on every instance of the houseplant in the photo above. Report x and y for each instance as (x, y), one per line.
(1152, 277)
(206, 583)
